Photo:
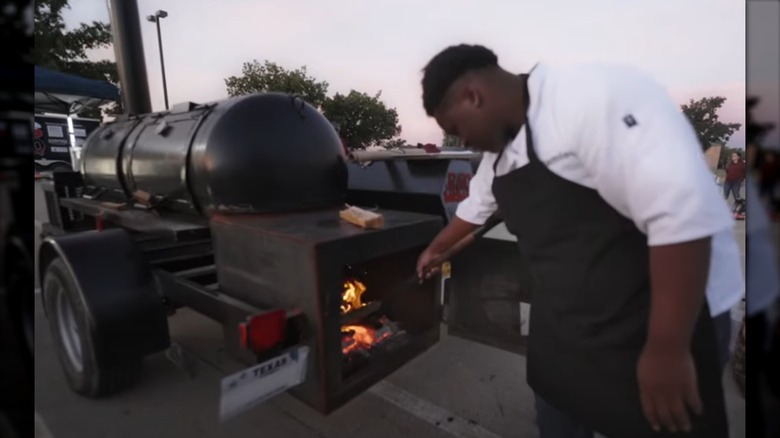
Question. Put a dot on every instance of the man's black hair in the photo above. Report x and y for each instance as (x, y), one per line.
(447, 67)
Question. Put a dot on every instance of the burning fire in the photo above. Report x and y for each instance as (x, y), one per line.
(359, 336)
(351, 297)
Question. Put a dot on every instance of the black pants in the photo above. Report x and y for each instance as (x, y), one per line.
(553, 423)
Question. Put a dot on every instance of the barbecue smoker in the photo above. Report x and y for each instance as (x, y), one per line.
(231, 209)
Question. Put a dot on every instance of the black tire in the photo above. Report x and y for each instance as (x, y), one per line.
(84, 376)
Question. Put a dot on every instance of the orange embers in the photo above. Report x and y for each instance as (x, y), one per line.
(351, 297)
(355, 337)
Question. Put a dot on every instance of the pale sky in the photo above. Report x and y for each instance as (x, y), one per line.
(696, 48)
(763, 52)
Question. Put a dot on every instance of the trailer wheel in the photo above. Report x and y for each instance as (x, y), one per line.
(73, 338)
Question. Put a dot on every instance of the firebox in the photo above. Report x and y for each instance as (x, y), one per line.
(367, 314)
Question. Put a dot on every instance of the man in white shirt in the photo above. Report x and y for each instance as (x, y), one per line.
(602, 179)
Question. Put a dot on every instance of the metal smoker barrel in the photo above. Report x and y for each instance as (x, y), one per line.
(263, 153)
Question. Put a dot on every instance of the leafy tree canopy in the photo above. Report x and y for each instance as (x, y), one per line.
(269, 76)
(65, 50)
(703, 114)
(363, 120)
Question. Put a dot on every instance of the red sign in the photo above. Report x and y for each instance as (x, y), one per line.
(457, 188)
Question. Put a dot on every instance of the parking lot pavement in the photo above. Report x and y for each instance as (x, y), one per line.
(169, 403)
(456, 389)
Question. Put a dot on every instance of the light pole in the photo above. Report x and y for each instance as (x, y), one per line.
(156, 19)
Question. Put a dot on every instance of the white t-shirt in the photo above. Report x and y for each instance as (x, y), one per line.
(615, 130)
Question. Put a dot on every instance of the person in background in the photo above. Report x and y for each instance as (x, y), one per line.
(735, 176)
(632, 256)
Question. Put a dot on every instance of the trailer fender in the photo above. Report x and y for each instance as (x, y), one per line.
(125, 312)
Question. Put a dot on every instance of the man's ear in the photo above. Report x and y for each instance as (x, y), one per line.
(473, 97)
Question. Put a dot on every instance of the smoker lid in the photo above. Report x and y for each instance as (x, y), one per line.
(268, 153)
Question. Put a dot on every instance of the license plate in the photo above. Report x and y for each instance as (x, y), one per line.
(254, 385)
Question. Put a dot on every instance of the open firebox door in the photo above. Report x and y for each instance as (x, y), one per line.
(483, 295)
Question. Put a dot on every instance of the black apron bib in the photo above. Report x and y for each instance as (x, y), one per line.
(588, 266)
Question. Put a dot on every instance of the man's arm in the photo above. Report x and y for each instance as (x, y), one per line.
(645, 160)
(472, 213)
(453, 233)
(678, 274)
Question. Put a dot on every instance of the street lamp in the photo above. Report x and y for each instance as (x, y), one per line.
(156, 19)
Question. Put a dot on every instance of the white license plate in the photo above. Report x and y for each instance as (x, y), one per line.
(254, 385)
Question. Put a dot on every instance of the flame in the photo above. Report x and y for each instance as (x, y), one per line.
(351, 297)
(362, 337)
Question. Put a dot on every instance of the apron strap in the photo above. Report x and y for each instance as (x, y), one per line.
(498, 158)
(532, 157)
(529, 141)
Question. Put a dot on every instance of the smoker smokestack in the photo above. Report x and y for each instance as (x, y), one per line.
(130, 61)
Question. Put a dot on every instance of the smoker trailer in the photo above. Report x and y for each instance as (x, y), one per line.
(231, 209)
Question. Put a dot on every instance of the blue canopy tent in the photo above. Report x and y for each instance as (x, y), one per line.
(62, 93)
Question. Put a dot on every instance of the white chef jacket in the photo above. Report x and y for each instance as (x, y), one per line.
(615, 130)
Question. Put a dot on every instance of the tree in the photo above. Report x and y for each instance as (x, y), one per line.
(66, 51)
(364, 119)
(395, 143)
(450, 141)
(703, 114)
(270, 77)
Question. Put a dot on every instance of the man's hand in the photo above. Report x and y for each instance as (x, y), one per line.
(668, 385)
(424, 268)
(668, 388)
(456, 230)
